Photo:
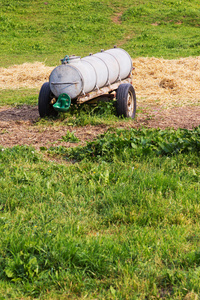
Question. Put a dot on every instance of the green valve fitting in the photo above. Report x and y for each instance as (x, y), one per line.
(65, 60)
(63, 103)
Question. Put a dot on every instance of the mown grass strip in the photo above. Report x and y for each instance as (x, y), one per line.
(18, 97)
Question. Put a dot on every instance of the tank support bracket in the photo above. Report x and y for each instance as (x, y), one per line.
(102, 91)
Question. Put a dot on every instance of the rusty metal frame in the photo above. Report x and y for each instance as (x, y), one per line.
(102, 91)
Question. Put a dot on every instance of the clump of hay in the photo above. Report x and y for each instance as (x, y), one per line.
(27, 75)
(167, 82)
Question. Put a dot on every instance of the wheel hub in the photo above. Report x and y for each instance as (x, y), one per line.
(130, 104)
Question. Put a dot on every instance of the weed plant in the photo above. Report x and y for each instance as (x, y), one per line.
(86, 114)
(135, 143)
(103, 112)
(70, 137)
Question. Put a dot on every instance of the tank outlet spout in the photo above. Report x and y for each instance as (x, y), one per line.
(63, 103)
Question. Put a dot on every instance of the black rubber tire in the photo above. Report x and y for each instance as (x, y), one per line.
(126, 100)
(44, 106)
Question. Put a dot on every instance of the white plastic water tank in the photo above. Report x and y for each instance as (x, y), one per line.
(78, 76)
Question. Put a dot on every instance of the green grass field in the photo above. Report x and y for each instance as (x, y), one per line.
(116, 218)
(47, 31)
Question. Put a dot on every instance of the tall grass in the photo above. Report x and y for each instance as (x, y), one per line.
(121, 229)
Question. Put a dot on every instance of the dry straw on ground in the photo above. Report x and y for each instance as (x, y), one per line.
(167, 82)
(156, 81)
(27, 75)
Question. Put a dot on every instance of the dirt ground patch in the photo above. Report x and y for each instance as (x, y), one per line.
(18, 125)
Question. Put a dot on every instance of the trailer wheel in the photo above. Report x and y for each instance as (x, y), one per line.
(44, 102)
(126, 100)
